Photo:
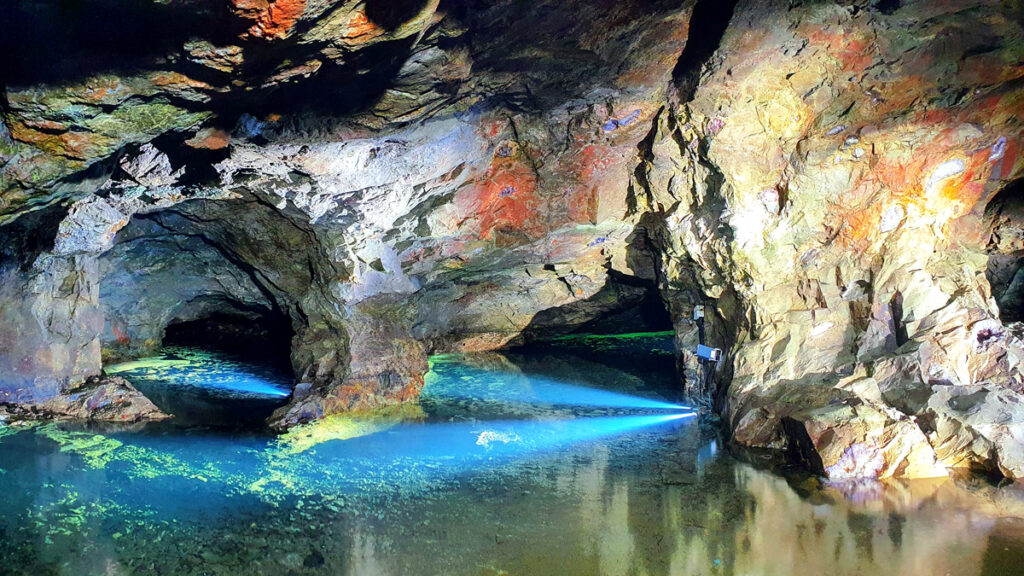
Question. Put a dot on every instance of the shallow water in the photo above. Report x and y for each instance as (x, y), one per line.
(504, 467)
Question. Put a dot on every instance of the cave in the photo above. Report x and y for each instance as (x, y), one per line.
(522, 287)
(257, 335)
(185, 292)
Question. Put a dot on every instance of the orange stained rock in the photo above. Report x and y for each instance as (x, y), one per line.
(504, 199)
(595, 159)
(46, 125)
(360, 27)
(490, 128)
(602, 178)
(582, 203)
(273, 19)
(84, 145)
(99, 89)
(23, 132)
(120, 331)
(76, 145)
(210, 139)
(1007, 166)
(853, 52)
(905, 182)
(176, 79)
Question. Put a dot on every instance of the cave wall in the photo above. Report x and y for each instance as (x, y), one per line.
(824, 177)
(838, 161)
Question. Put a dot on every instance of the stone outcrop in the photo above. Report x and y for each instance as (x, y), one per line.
(109, 399)
(838, 183)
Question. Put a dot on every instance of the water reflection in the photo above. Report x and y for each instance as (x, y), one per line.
(473, 482)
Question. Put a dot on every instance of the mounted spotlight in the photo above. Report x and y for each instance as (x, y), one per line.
(708, 353)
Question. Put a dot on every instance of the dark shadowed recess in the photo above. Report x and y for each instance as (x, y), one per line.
(61, 41)
(629, 332)
(259, 335)
(390, 14)
(629, 307)
(1005, 273)
(65, 41)
(542, 51)
(258, 338)
(337, 89)
(30, 235)
(707, 26)
(625, 304)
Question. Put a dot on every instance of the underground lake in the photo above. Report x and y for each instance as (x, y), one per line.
(573, 456)
(511, 287)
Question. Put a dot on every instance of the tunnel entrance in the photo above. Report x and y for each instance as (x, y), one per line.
(1005, 272)
(629, 301)
(625, 330)
(201, 299)
(229, 369)
(261, 337)
(625, 304)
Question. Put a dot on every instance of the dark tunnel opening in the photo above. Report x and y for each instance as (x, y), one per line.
(226, 370)
(1005, 272)
(262, 337)
(199, 314)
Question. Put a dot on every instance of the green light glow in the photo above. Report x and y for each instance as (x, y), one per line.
(628, 336)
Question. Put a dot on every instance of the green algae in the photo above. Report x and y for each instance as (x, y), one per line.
(9, 430)
(98, 451)
(66, 514)
(211, 372)
(154, 364)
(289, 466)
(648, 343)
(344, 427)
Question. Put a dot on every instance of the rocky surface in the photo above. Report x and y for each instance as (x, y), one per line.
(839, 183)
(109, 399)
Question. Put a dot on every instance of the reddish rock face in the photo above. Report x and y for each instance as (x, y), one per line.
(274, 20)
(836, 183)
(209, 139)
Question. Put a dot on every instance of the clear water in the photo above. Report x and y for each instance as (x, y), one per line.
(208, 389)
(496, 471)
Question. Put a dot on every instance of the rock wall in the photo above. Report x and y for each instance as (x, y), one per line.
(838, 163)
(837, 182)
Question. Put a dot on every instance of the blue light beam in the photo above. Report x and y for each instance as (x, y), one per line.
(453, 448)
(490, 385)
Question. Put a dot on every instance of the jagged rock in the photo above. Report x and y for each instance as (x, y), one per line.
(863, 441)
(846, 249)
(108, 399)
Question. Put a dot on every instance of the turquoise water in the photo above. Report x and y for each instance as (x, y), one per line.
(497, 470)
(208, 389)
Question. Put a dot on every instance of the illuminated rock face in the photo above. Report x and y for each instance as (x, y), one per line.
(838, 184)
(846, 169)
